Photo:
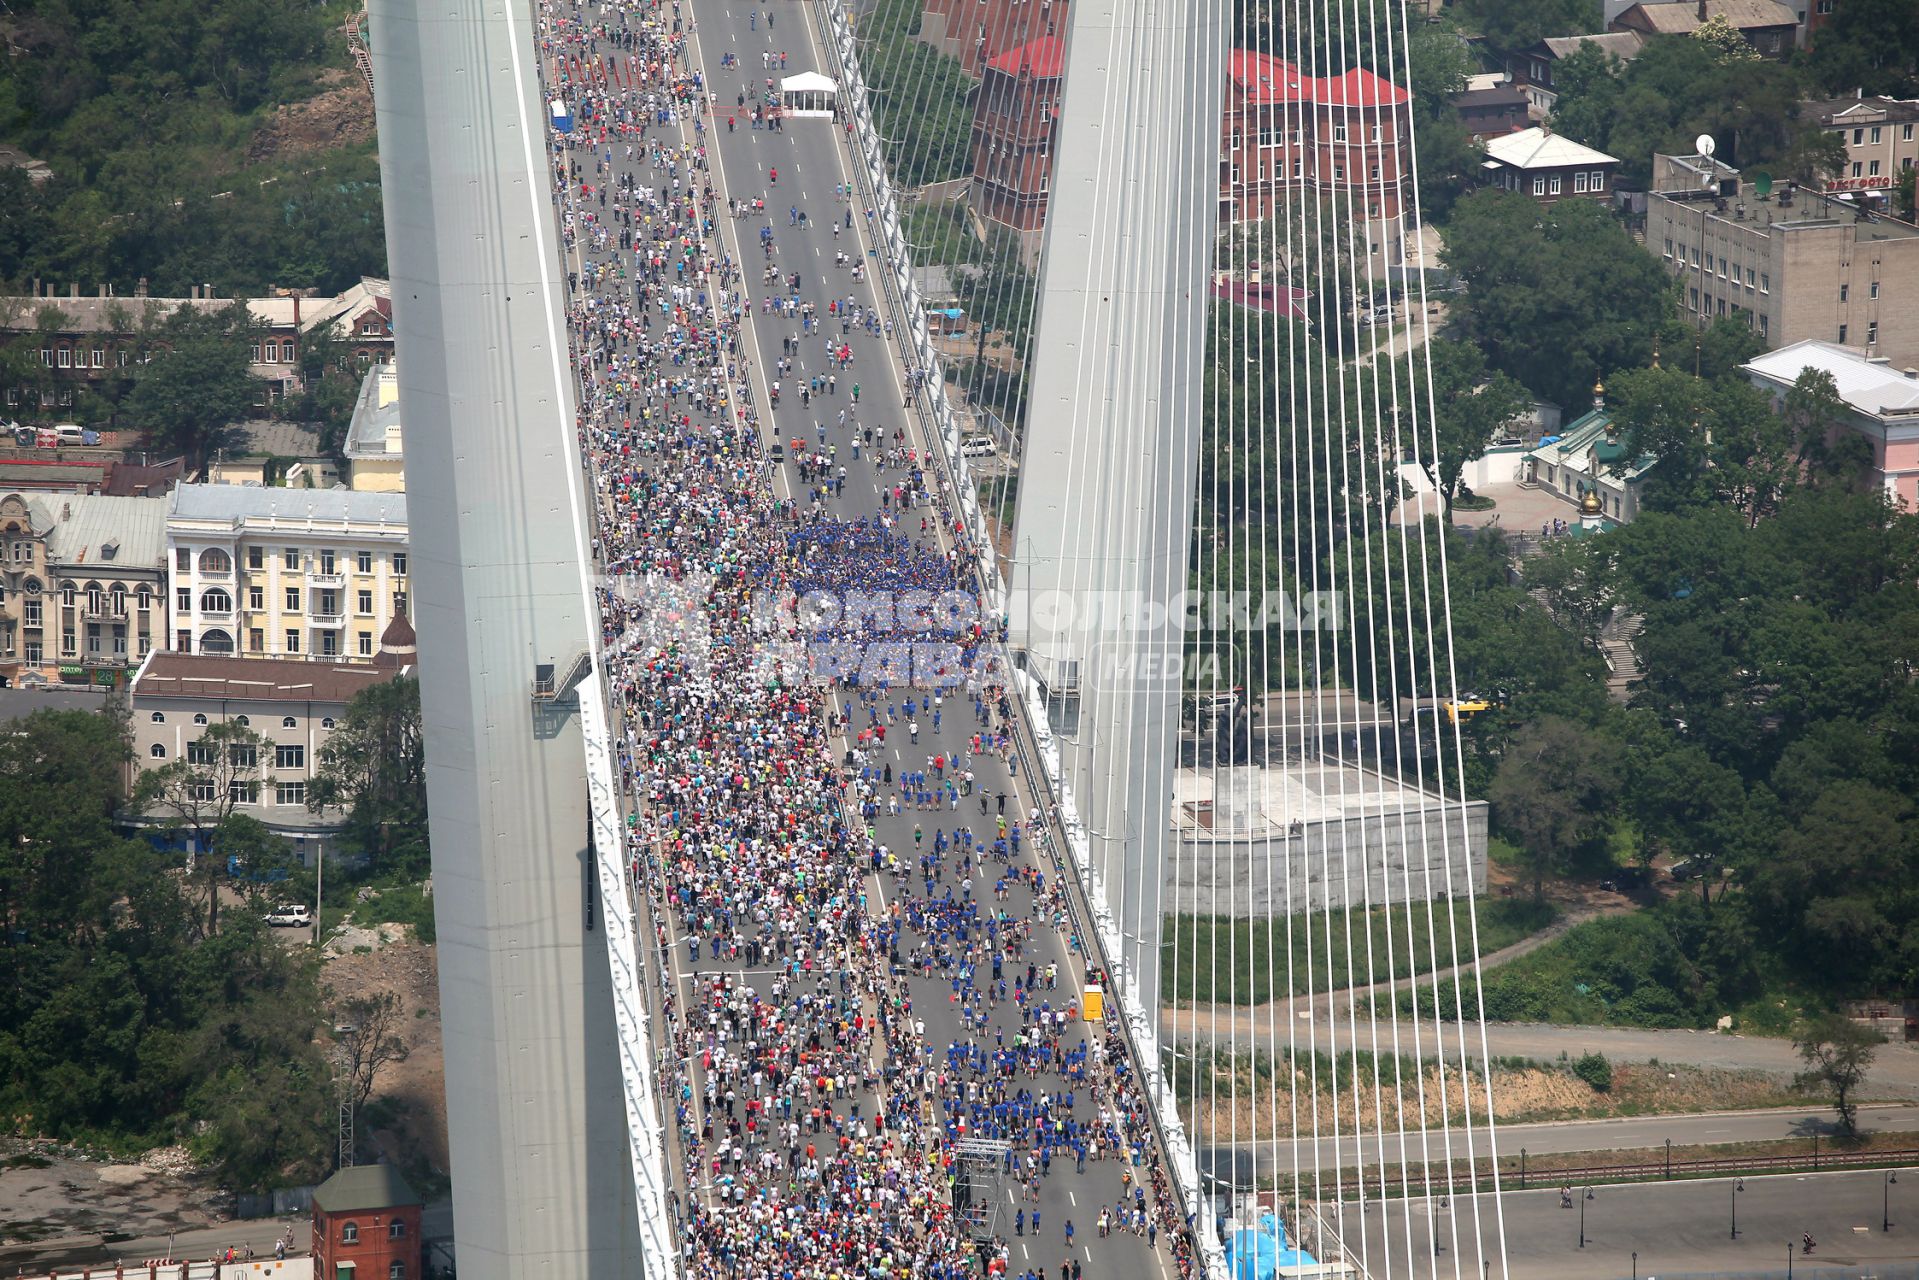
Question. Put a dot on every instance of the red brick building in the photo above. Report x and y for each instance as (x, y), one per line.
(1286, 133)
(977, 31)
(1013, 118)
(366, 1226)
(1281, 134)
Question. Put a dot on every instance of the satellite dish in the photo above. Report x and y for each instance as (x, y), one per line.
(1705, 144)
(1762, 183)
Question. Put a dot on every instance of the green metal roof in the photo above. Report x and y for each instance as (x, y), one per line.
(364, 1187)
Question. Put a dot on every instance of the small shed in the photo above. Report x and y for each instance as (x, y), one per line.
(809, 94)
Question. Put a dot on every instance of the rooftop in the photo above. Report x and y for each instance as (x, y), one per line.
(1267, 800)
(1683, 19)
(106, 313)
(271, 438)
(112, 532)
(1538, 148)
(220, 676)
(374, 431)
(1593, 436)
(1624, 45)
(234, 502)
(1870, 386)
(1859, 109)
(18, 704)
(1043, 58)
(1264, 79)
(364, 1187)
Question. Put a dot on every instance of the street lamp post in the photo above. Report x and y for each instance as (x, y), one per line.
(1788, 1260)
(1669, 1159)
(1582, 1216)
(1738, 1185)
(1635, 1264)
(1885, 1199)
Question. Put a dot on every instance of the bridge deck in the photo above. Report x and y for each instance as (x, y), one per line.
(820, 978)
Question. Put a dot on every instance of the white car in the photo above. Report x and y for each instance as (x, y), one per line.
(292, 917)
(978, 447)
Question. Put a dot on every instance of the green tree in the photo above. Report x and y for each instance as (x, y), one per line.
(1512, 25)
(920, 96)
(1470, 405)
(1552, 793)
(373, 765)
(1525, 267)
(199, 795)
(1837, 1052)
(199, 384)
(1437, 65)
(1868, 45)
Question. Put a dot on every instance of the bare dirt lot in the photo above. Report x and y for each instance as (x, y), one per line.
(339, 116)
(407, 1117)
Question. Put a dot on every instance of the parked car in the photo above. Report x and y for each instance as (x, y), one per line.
(978, 447)
(292, 916)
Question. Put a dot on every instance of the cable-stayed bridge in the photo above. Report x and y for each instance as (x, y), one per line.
(851, 859)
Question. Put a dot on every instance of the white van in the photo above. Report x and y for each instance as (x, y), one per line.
(978, 447)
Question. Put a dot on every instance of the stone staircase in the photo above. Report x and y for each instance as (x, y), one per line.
(1622, 664)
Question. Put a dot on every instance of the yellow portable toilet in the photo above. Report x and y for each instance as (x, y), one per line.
(1095, 1010)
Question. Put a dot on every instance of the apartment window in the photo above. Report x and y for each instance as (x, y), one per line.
(243, 755)
(290, 558)
(256, 597)
(1339, 172)
(1765, 324)
(327, 562)
(1579, 182)
(158, 718)
(1905, 133)
(1858, 136)
(366, 644)
(1752, 276)
(66, 357)
(1235, 178)
(203, 790)
(254, 353)
(1876, 133)
(1858, 170)
(97, 358)
(399, 562)
(158, 752)
(293, 599)
(199, 752)
(125, 358)
(1237, 142)
(1298, 168)
(327, 723)
(365, 602)
(1875, 289)
(1669, 246)
(365, 561)
(1339, 132)
(1598, 182)
(1765, 282)
(256, 640)
(329, 644)
(46, 356)
(290, 794)
(397, 1270)
(349, 1233)
(293, 640)
(290, 757)
(1844, 291)
(242, 792)
(1842, 333)
(288, 722)
(256, 557)
(1872, 168)
(1872, 332)
(1375, 133)
(183, 559)
(183, 600)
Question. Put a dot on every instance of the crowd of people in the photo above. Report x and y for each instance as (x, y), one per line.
(817, 1121)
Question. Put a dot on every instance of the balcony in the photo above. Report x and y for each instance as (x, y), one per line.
(324, 579)
(95, 658)
(103, 612)
(326, 621)
(216, 615)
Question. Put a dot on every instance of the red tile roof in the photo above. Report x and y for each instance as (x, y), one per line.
(1043, 58)
(1264, 79)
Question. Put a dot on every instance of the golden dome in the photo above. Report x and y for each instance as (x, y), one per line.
(1590, 505)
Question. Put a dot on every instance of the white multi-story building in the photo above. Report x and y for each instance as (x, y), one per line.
(284, 573)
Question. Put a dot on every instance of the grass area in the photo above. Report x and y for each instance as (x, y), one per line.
(940, 234)
(1647, 969)
(1248, 962)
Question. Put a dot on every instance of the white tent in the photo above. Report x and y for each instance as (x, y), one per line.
(808, 94)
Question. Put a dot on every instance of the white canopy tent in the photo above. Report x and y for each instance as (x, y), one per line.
(808, 94)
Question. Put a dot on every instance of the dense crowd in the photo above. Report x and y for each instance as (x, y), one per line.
(816, 1121)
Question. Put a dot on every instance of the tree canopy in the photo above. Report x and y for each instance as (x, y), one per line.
(1556, 297)
(122, 1021)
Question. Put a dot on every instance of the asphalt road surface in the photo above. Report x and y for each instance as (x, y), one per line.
(811, 160)
(1635, 1133)
(1894, 1072)
(1679, 1228)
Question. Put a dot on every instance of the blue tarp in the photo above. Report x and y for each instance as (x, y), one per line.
(1259, 1253)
